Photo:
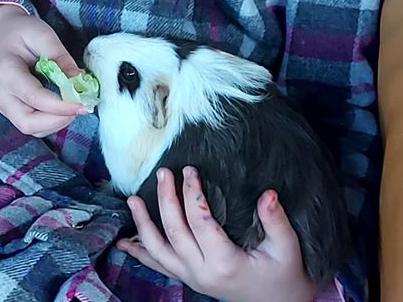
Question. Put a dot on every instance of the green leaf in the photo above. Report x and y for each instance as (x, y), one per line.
(83, 88)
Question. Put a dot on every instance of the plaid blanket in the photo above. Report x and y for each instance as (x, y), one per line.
(57, 232)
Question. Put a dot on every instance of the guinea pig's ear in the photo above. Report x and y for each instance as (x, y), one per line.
(160, 96)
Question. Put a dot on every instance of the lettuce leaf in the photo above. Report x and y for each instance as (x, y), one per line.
(83, 88)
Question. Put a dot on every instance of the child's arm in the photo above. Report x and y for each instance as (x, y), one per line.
(33, 109)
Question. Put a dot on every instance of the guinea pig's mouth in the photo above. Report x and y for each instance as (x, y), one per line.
(88, 60)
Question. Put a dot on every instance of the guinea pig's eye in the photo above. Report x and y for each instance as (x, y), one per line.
(127, 72)
(128, 78)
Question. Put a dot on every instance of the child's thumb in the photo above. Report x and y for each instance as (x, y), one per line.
(67, 64)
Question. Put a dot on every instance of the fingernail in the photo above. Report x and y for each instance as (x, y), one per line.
(131, 202)
(185, 172)
(82, 111)
(189, 171)
(74, 71)
(160, 175)
(273, 204)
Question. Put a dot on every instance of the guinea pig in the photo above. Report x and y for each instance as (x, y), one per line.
(167, 103)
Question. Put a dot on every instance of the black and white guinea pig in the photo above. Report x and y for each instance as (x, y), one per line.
(172, 104)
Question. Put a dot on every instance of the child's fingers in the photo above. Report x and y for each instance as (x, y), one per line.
(48, 44)
(29, 90)
(32, 122)
(136, 250)
(281, 241)
(211, 238)
(173, 220)
(159, 249)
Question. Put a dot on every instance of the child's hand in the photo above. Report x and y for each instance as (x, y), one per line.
(33, 109)
(200, 254)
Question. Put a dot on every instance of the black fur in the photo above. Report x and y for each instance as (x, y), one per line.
(264, 145)
(183, 47)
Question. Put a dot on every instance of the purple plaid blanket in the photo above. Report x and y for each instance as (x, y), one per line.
(57, 232)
